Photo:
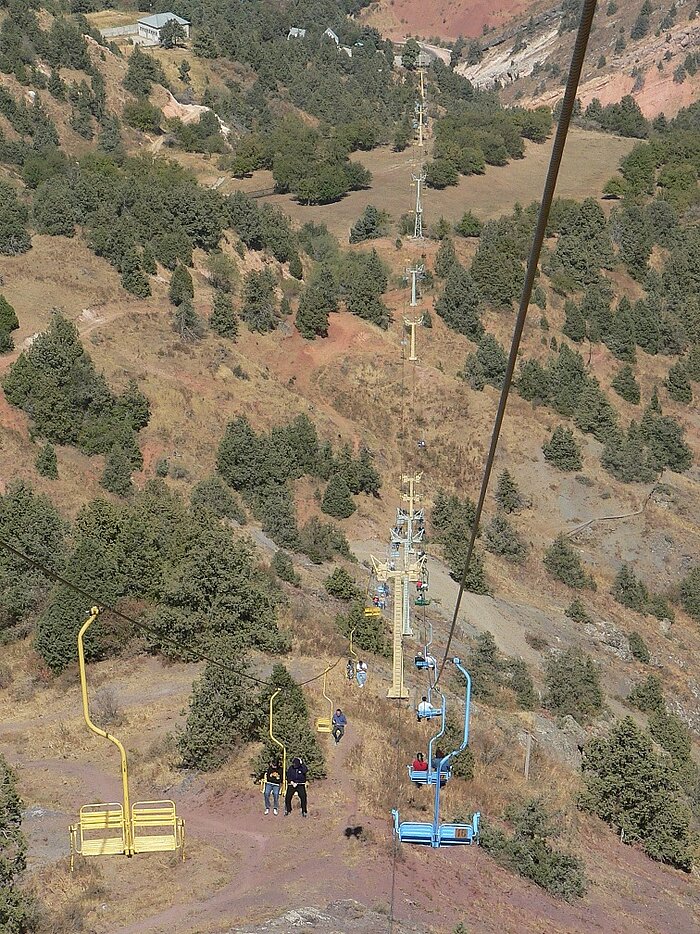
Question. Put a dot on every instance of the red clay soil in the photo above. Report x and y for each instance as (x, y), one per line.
(284, 863)
(445, 18)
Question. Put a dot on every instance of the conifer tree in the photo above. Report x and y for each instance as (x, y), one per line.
(567, 380)
(647, 695)
(337, 500)
(259, 303)
(692, 363)
(639, 648)
(291, 725)
(223, 319)
(186, 321)
(507, 494)
(690, 593)
(460, 304)
(8, 316)
(595, 307)
(630, 787)
(369, 226)
(181, 287)
(594, 413)
(626, 386)
(445, 259)
(370, 631)
(564, 564)
(18, 914)
(116, 476)
(222, 715)
(562, 450)
(574, 322)
(646, 320)
(341, 585)
(534, 383)
(678, 383)
(621, 338)
(572, 685)
(500, 538)
(629, 591)
(46, 463)
(628, 458)
(283, 566)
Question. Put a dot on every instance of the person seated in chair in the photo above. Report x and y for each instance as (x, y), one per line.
(425, 709)
(419, 764)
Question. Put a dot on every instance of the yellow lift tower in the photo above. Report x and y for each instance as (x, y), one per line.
(406, 566)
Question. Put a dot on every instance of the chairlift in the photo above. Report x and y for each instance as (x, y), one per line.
(435, 833)
(372, 611)
(426, 661)
(117, 828)
(325, 724)
(429, 776)
(280, 744)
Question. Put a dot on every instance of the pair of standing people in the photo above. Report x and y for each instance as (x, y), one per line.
(296, 784)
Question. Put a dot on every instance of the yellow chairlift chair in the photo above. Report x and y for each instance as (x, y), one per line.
(325, 724)
(116, 828)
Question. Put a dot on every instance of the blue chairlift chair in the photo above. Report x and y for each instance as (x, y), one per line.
(436, 834)
(429, 776)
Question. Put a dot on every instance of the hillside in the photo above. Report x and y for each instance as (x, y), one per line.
(206, 411)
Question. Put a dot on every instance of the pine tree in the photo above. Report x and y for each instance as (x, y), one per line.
(574, 323)
(646, 320)
(562, 450)
(223, 319)
(341, 585)
(678, 383)
(647, 695)
(18, 913)
(116, 476)
(283, 566)
(572, 685)
(626, 386)
(223, 714)
(181, 287)
(469, 225)
(631, 788)
(259, 302)
(507, 494)
(8, 317)
(594, 413)
(534, 383)
(621, 338)
(337, 500)
(596, 309)
(692, 363)
(186, 322)
(445, 259)
(211, 493)
(567, 380)
(629, 591)
(493, 360)
(370, 631)
(564, 564)
(628, 458)
(460, 304)
(500, 538)
(690, 593)
(369, 226)
(291, 725)
(46, 463)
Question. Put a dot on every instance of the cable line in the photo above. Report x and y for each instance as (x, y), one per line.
(145, 627)
(578, 55)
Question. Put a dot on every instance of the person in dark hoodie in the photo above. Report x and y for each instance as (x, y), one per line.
(296, 784)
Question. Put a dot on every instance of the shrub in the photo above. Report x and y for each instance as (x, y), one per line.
(647, 695)
(341, 585)
(633, 790)
(283, 566)
(500, 538)
(578, 613)
(573, 685)
(690, 593)
(528, 852)
(522, 684)
(211, 493)
(639, 648)
(46, 462)
(17, 909)
(564, 564)
(562, 450)
(629, 591)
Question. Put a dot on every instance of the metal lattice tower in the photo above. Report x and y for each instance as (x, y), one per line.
(418, 226)
(415, 272)
(406, 565)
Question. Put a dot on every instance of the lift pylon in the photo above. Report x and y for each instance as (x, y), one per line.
(281, 745)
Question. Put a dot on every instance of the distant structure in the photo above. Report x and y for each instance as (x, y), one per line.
(150, 26)
(296, 33)
(331, 35)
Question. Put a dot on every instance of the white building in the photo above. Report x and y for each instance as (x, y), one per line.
(150, 26)
(332, 35)
(296, 33)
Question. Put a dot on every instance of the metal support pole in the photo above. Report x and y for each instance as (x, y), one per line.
(528, 749)
(274, 739)
(128, 831)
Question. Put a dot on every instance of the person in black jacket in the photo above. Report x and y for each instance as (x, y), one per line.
(273, 780)
(296, 783)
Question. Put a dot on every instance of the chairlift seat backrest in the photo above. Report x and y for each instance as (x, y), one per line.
(323, 725)
(156, 827)
(100, 831)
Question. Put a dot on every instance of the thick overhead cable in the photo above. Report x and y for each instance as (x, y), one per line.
(584, 31)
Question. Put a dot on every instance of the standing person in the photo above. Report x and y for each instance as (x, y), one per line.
(296, 784)
(361, 673)
(273, 780)
(340, 721)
